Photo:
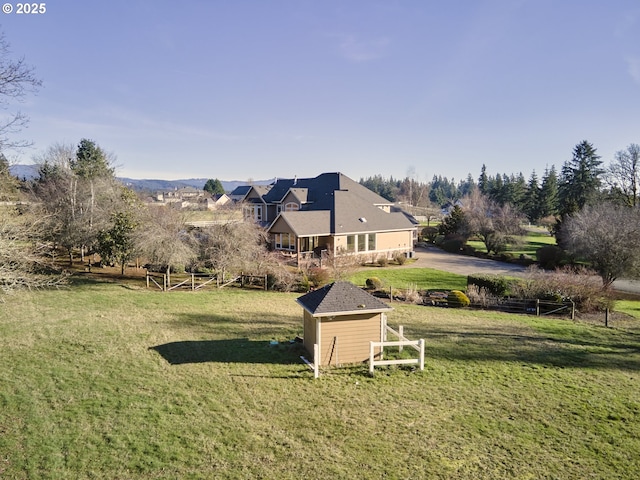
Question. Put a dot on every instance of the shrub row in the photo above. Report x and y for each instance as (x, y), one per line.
(494, 284)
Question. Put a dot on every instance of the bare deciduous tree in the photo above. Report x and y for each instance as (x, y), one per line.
(608, 236)
(496, 225)
(24, 259)
(16, 80)
(232, 244)
(163, 238)
(77, 192)
(623, 175)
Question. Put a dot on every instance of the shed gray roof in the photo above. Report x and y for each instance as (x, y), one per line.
(341, 298)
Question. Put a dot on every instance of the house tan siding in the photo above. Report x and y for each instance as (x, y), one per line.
(280, 226)
(346, 338)
(394, 241)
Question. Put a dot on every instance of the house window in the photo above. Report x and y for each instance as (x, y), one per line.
(362, 242)
(285, 241)
(253, 212)
(278, 209)
(371, 241)
(307, 244)
(351, 243)
(291, 207)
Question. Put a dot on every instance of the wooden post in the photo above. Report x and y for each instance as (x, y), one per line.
(241, 279)
(422, 354)
(371, 358)
(164, 282)
(265, 283)
(193, 282)
(606, 317)
(147, 279)
(391, 294)
(316, 361)
(401, 332)
(537, 307)
(573, 310)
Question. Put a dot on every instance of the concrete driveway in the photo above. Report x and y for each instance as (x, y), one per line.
(433, 257)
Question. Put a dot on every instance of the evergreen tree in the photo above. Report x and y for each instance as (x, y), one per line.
(214, 187)
(532, 202)
(580, 181)
(454, 223)
(483, 181)
(549, 193)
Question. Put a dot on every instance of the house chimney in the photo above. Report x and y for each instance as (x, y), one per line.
(295, 179)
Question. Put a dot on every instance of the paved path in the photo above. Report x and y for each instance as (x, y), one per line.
(433, 257)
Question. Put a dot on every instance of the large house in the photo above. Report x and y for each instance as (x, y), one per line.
(328, 214)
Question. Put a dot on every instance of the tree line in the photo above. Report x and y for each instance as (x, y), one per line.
(582, 179)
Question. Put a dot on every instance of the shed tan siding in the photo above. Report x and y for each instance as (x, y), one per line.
(309, 332)
(346, 338)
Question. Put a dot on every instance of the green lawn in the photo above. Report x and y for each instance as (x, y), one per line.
(111, 381)
(422, 278)
(529, 243)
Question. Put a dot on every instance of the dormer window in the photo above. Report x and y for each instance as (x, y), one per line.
(291, 207)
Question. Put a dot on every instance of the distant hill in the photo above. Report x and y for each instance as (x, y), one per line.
(24, 171)
(149, 185)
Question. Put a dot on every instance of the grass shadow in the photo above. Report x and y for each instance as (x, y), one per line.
(565, 353)
(237, 350)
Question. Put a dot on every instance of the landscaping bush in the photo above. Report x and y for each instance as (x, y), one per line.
(383, 261)
(457, 299)
(550, 257)
(581, 286)
(429, 234)
(493, 284)
(400, 258)
(480, 296)
(374, 283)
(318, 276)
(453, 243)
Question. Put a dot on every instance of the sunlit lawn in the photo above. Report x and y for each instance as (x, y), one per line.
(528, 245)
(111, 381)
(422, 278)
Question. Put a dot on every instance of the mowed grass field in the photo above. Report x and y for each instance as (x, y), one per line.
(113, 381)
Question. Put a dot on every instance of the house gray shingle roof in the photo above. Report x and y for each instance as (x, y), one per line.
(341, 298)
(351, 207)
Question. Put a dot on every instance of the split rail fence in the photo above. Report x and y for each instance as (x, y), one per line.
(196, 281)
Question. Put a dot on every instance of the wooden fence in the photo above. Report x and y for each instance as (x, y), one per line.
(402, 342)
(196, 281)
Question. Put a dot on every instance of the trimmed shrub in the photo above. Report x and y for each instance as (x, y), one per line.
(383, 261)
(453, 243)
(374, 283)
(493, 284)
(457, 299)
(429, 234)
(550, 257)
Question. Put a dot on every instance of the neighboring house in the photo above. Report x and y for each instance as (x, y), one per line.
(191, 197)
(328, 214)
(219, 200)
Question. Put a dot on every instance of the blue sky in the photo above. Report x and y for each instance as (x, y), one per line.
(258, 89)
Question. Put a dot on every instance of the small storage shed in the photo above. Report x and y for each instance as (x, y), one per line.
(342, 319)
